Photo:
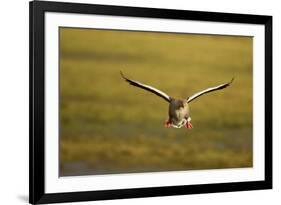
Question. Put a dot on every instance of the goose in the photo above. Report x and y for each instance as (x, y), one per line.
(179, 112)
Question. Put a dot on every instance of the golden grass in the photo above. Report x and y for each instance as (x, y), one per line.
(112, 127)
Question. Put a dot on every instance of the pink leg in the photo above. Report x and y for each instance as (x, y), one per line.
(188, 125)
(167, 124)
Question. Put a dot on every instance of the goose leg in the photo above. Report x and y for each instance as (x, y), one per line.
(188, 125)
(167, 124)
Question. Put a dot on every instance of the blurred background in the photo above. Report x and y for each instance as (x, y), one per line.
(108, 126)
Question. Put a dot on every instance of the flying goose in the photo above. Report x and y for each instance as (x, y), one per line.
(178, 108)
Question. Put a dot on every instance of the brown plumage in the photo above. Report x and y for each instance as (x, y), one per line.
(179, 112)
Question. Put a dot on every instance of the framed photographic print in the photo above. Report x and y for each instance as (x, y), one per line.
(140, 102)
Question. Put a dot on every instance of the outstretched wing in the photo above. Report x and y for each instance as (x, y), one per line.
(208, 90)
(148, 88)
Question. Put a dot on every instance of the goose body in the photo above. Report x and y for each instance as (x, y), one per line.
(179, 112)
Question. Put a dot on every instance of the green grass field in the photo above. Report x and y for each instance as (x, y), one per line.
(108, 126)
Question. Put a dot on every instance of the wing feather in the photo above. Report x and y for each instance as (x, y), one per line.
(208, 90)
(148, 88)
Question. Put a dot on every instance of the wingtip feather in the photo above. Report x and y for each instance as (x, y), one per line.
(122, 75)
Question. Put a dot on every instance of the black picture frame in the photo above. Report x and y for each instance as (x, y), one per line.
(37, 9)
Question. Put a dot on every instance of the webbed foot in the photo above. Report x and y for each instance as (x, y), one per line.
(168, 124)
(188, 125)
